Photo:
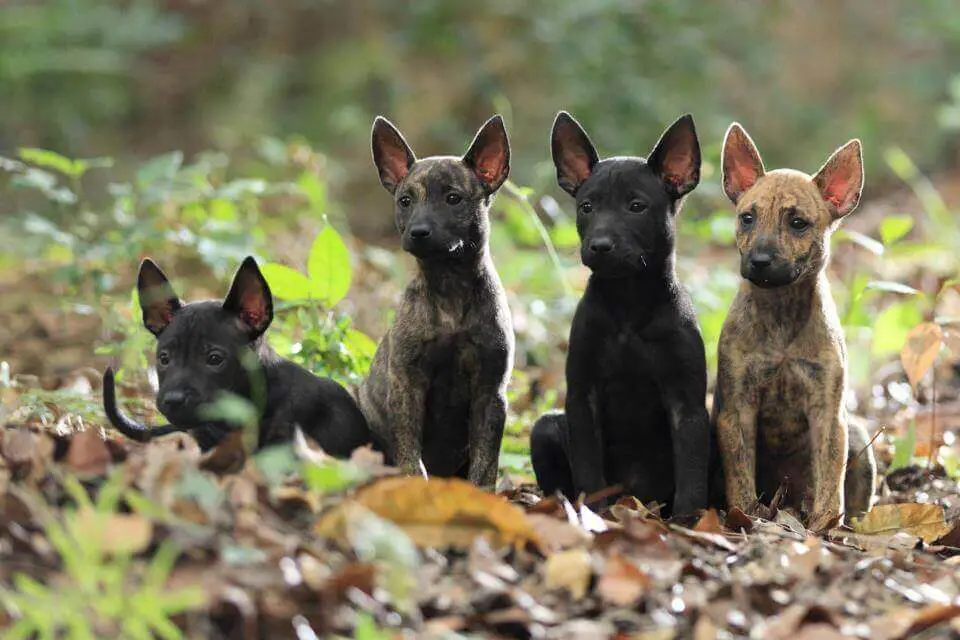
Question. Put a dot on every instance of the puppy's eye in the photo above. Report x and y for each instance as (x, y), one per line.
(454, 198)
(405, 201)
(585, 207)
(798, 224)
(746, 219)
(214, 359)
(163, 358)
(637, 207)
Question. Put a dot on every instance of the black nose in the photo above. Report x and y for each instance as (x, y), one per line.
(601, 245)
(174, 399)
(761, 260)
(420, 231)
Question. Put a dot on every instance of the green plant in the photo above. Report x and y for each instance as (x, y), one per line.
(311, 333)
(103, 592)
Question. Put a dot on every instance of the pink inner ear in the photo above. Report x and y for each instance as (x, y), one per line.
(489, 165)
(744, 175)
(837, 192)
(254, 313)
(576, 164)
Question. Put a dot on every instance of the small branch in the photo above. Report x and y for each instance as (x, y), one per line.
(870, 444)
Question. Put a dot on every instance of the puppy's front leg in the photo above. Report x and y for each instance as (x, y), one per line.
(737, 438)
(828, 435)
(488, 413)
(690, 435)
(406, 402)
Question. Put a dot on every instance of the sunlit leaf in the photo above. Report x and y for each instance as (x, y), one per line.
(892, 325)
(359, 343)
(925, 521)
(160, 168)
(920, 350)
(50, 160)
(329, 267)
(892, 287)
(895, 227)
(904, 448)
(286, 283)
(859, 239)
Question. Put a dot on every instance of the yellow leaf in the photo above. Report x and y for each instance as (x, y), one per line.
(920, 350)
(439, 512)
(925, 521)
(569, 570)
(116, 533)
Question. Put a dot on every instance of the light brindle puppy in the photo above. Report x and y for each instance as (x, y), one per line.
(782, 370)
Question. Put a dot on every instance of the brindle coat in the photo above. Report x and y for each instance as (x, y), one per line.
(437, 388)
(782, 371)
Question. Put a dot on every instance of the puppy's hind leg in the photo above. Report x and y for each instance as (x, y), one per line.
(548, 452)
(861, 477)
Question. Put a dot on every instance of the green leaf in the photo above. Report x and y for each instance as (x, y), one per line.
(329, 267)
(331, 477)
(903, 448)
(277, 463)
(231, 408)
(160, 168)
(565, 236)
(859, 239)
(286, 283)
(359, 344)
(900, 163)
(51, 160)
(892, 325)
(892, 287)
(894, 228)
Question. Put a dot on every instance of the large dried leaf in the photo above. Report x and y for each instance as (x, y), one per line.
(622, 583)
(88, 454)
(116, 533)
(920, 351)
(925, 521)
(440, 512)
(570, 570)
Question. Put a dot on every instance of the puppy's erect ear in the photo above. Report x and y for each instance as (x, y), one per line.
(574, 155)
(391, 154)
(489, 154)
(158, 302)
(675, 158)
(840, 179)
(250, 299)
(740, 161)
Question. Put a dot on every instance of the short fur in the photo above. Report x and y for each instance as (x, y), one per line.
(436, 392)
(205, 349)
(779, 409)
(636, 372)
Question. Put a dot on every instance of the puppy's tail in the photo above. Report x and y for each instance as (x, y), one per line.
(125, 425)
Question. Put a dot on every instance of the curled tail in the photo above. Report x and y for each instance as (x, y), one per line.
(125, 425)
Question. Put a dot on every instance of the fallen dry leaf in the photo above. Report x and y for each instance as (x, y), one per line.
(738, 521)
(117, 533)
(88, 454)
(920, 351)
(570, 570)
(622, 583)
(439, 512)
(228, 456)
(709, 522)
(922, 520)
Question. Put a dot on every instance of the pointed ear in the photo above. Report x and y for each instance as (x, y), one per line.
(840, 179)
(574, 155)
(158, 302)
(489, 154)
(676, 157)
(391, 154)
(740, 161)
(250, 299)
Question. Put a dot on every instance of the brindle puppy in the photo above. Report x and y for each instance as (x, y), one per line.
(782, 369)
(437, 388)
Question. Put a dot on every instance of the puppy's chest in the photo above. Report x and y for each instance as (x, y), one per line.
(625, 358)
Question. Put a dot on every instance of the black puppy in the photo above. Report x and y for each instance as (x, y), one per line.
(636, 371)
(207, 348)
